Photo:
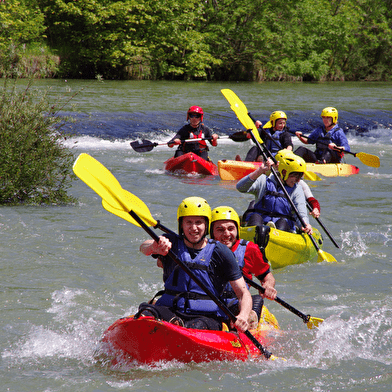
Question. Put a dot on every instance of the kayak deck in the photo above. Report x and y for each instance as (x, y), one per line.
(191, 163)
(235, 170)
(147, 341)
(281, 247)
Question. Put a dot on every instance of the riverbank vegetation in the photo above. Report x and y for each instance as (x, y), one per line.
(35, 166)
(251, 40)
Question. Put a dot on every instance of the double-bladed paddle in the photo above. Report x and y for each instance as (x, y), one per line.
(147, 145)
(311, 322)
(102, 181)
(365, 158)
(241, 112)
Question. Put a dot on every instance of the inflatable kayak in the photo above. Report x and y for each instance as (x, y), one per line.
(282, 248)
(146, 341)
(191, 163)
(234, 170)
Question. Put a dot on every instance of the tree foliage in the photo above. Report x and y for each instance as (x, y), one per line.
(35, 166)
(216, 39)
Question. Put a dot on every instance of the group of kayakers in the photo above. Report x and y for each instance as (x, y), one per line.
(221, 260)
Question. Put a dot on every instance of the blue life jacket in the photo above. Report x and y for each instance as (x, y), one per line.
(182, 293)
(274, 205)
(275, 145)
(229, 295)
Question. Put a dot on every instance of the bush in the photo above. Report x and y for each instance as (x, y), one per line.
(35, 166)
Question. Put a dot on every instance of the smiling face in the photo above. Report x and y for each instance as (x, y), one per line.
(194, 229)
(280, 124)
(225, 231)
(328, 122)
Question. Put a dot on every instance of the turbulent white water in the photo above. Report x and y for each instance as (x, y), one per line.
(69, 272)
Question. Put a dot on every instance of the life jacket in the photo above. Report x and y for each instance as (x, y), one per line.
(275, 205)
(197, 133)
(182, 293)
(229, 295)
(323, 141)
(273, 145)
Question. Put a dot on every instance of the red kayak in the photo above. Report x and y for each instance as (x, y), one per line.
(147, 340)
(191, 163)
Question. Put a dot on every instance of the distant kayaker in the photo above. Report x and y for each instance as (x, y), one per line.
(271, 205)
(183, 301)
(195, 129)
(225, 225)
(327, 138)
(275, 134)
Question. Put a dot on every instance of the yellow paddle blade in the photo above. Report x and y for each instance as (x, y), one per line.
(314, 322)
(368, 159)
(324, 256)
(239, 108)
(131, 202)
(310, 176)
(97, 177)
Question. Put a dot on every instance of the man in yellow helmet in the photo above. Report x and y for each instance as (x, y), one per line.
(327, 138)
(225, 226)
(274, 133)
(271, 204)
(212, 262)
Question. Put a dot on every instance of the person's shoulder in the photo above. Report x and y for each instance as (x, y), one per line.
(223, 250)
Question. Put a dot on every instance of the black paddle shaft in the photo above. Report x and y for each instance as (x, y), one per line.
(304, 317)
(217, 301)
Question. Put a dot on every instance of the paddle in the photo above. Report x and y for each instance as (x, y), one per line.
(95, 175)
(322, 225)
(365, 158)
(311, 322)
(240, 110)
(147, 145)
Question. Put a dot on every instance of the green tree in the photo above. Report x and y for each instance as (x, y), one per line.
(35, 166)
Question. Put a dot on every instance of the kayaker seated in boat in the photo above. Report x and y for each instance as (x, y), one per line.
(271, 204)
(327, 138)
(183, 301)
(195, 129)
(225, 225)
(275, 134)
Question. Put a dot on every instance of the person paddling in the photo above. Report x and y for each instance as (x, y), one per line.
(195, 129)
(327, 138)
(225, 225)
(182, 300)
(274, 133)
(270, 203)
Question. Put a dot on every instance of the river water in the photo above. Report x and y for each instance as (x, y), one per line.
(68, 272)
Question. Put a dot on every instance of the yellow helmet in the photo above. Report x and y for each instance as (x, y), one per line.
(274, 117)
(290, 162)
(194, 206)
(225, 213)
(330, 112)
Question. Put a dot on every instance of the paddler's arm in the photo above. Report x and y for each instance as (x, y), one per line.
(245, 303)
(268, 282)
(151, 247)
(246, 182)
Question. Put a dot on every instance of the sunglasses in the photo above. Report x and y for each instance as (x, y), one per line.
(195, 115)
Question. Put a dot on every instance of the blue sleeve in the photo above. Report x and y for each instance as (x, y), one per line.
(313, 137)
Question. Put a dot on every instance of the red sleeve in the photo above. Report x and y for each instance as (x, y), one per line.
(254, 262)
(314, 203)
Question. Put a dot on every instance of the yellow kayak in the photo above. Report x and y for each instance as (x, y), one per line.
(282, 248)
(235, 170)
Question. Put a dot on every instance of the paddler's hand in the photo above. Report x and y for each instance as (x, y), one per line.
(308, 229)
(258, 124)
(315, 213)
(262, 169)
(174, 142)
(151, 247)
(270, 292)
(214, 140)
(241, 324)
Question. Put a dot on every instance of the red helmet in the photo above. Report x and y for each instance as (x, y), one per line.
(195, 109)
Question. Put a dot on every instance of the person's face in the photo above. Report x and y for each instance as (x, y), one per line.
(225, 231)
(194, 228)
(293, 179)
(327, 121)
(194, 119)
(280, 123)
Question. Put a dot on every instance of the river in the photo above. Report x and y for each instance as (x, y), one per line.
(68, 272)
